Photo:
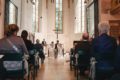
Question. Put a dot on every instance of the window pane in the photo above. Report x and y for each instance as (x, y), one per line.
(59, 15)
(12, 14)
(57, 5)
(35, 15)
(80, 17)
(57, 1)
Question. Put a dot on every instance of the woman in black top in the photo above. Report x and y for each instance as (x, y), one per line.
(28, 43)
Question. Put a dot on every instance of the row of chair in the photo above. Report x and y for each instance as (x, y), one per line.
(13, 66)
(80, 60)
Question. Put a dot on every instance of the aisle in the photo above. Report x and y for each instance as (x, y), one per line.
(55, 69)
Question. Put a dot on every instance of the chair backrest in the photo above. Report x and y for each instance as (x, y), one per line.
(83, 50)
(83, 45)
(12, 56)
(76, 42)
(13, 61)
(13, 65)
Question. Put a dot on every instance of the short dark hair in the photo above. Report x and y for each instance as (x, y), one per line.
(10, 29)
(24, 34)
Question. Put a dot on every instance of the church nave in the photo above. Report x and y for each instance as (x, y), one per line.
(56, 69)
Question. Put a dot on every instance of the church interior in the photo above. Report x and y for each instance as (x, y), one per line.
(60, 39)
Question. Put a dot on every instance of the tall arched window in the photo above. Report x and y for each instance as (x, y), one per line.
(13, 13)
(35, 15)
(80, 17)
(59, 16)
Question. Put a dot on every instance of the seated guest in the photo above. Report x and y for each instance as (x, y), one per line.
(39, 48)
(28, 43)
(13, 44)
(12, 39)
(85, 42)
(103, 49)
(84, 48)
(73, 49)
(72, 55)
(85, 37)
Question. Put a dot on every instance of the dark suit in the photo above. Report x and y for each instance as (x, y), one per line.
(44, 43)
(104, 44)
(117, 59)
(39, 48)
(103, 49)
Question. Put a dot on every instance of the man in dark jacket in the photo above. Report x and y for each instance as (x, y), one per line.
(39, 48)
(56, 48)
(103, 49)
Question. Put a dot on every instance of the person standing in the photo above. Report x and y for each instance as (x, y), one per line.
(44, 46)
(51, 49)
(56, 48)
(44, 42)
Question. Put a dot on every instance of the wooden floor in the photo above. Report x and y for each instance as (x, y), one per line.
(55, 69)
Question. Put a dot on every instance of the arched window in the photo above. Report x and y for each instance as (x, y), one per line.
(59, 16)
(35, 15)
(13, 13)
(80, 17)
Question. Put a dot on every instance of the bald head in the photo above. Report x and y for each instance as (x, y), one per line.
(85, 36)
(103, 27)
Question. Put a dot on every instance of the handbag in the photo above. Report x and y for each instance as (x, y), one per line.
(13, 46)
(12, 65)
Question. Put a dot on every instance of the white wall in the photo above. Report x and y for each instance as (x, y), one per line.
(24, 15)
(2, 18)
(18, 4)
(68, 35)
(47, 23)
